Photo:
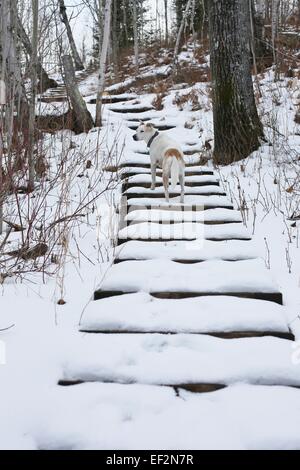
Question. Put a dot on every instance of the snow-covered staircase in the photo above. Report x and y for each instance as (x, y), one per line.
(188, 302)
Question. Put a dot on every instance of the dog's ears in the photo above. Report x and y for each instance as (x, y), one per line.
(149, 125)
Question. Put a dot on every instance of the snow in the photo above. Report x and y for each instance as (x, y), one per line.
(159, 190)
(44, 344)
(214, 276)
(210, 215)
(196, 179)
(141, 159)
(195, 170)
(180, 359)
(108, 416)
(141, 312)
(184, 231)
(199, 201)
(230, 250)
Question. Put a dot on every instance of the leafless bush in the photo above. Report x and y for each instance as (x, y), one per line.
(40, 224)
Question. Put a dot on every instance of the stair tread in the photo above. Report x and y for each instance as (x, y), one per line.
(142, 313)
(201, 202)
(159, 191)
(128, 171)
(180, 359)
(163, 277)
(184, 231)
(139, 160)
(208, 216)
(230, 250)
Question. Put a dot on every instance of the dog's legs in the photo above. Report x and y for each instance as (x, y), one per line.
(181, 181)
(153, 174)
(166, 175)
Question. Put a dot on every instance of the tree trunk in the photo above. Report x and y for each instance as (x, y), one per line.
(237, 127)
(33, 79)
(45, 81)
(259, 13)
(136, 37)
(275, 21)
(64, 18)
(115, 40)
(83, 119)
(166, 23)
(103, 58)
(180, 31)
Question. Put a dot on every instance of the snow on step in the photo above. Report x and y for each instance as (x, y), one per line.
(113, 416)
(229, 250)
(129, 171)
(146, 180)
(180, 359)
(140, 159)
(184, 231)
(208, 216)
(165, 278)
(159, 191)
(199, 202)
(126, 108)
(142, 313)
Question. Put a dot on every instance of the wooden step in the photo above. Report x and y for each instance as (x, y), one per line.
(144, 181)
(179, 360)
(165, 279)
(165, 232)
(53, 99)
(159, 127)
(143, 161)
(191, 203)
(209, 217)
(225, 335)
(222, 317)
(111, 99)
(159, 192)
(189, 252)
(132, 110)
(128, 172)
(189, 387)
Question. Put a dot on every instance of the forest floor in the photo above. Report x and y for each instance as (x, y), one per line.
(265, 187)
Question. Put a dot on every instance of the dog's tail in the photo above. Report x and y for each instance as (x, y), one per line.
(174, 172)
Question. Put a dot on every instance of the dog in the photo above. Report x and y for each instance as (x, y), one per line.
(165, 153)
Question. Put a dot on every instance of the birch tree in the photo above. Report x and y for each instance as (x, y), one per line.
(166, 22)
(180, 31)
(103, 59)
(136, 37)
(237, 128)
(259, 12)
(275, 21)
(33, 78)
(82, 117)
(64, 18)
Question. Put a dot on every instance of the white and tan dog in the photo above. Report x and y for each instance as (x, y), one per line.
(165, 153)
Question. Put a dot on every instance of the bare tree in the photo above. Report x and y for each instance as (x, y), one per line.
(136, 36)
(64, 18)
(275, 20)
(115, 40)
(180, 31)
(237, 127)
(33, 78)
(166, 22)
(103, 58)
(45, 81)
(83, 119)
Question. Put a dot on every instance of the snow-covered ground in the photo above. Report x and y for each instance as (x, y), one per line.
(43, 339)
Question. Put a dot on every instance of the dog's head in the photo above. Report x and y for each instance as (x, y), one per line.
(144, 131)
